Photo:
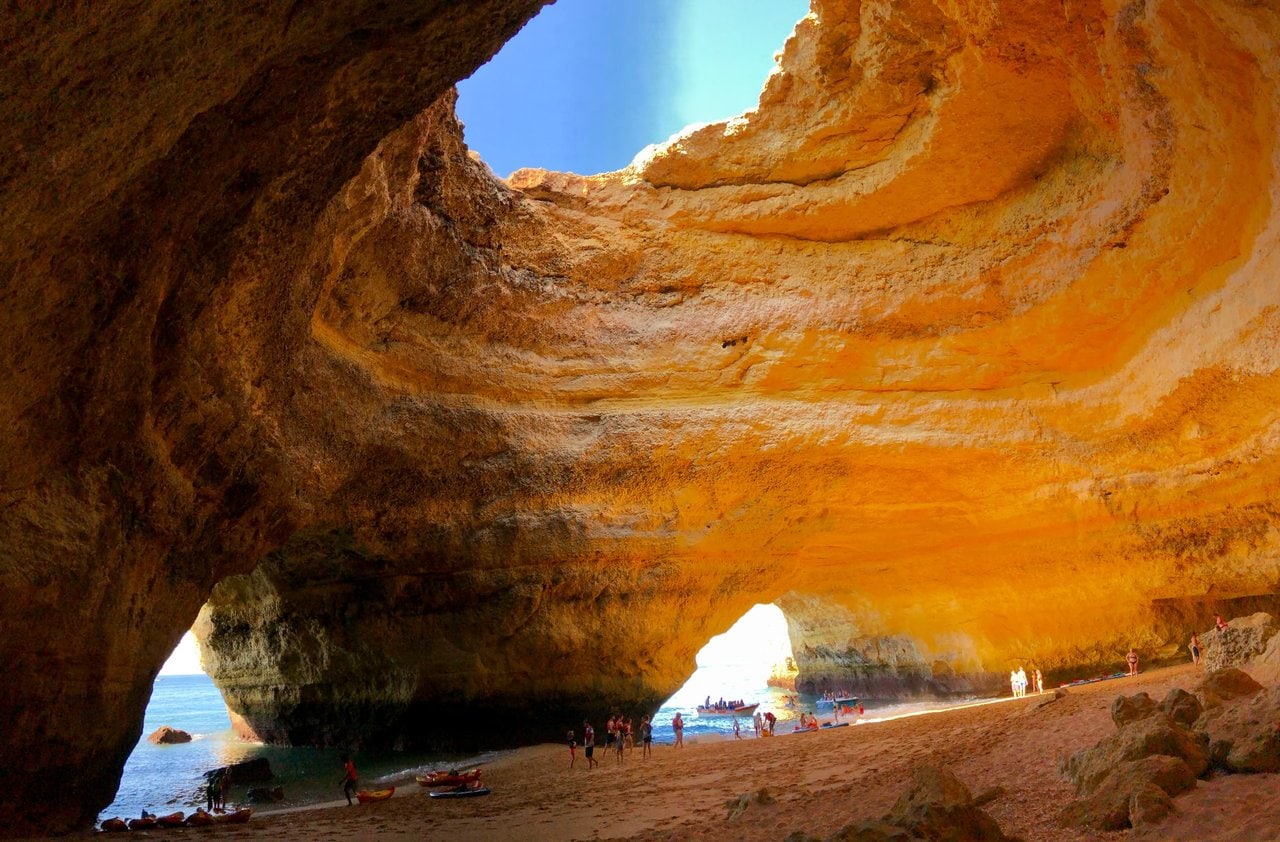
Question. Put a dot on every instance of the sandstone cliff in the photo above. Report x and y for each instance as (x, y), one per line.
(963, 347)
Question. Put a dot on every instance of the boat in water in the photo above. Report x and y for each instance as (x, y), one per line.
(727, 710)
(842, 701)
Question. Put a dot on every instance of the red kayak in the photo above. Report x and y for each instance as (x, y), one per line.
(366, 796)
(449, 778)
(238, 817)
(114, 825)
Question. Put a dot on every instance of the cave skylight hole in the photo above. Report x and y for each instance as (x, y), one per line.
(586, 85)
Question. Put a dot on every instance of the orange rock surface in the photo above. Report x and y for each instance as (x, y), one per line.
(964, 348)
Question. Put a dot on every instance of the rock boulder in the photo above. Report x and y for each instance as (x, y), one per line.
(1224, 685)
(1181, 707)
(1244, 639)
(1126, 789)
(164, 735)
(1156, 734)
(1126, 709)
(1244, 732)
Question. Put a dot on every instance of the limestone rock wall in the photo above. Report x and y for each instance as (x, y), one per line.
(165, 166)
(968, 332)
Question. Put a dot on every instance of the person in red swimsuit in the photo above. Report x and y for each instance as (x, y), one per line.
(350, 781)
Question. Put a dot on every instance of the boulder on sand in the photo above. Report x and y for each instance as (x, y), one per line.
(1126, 709)
(1243, 734)
(936, 805)
(1242, 640)
(1182, 707)
(1156, 734)
(1221, 686)
(164, 735)
(1126, 797)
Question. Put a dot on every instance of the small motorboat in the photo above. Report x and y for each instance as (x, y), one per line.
(715, 710)
(450, 778)
(238, 817)
(171, 820)
(842, 701)
(467, 790)
(114, 825)
(368, 796)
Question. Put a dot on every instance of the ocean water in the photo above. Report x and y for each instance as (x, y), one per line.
(170, 777)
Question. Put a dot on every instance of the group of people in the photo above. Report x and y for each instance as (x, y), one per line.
(215, 791)
(618, 738)
(1193, 646)
(1019, 681)
(723, 705)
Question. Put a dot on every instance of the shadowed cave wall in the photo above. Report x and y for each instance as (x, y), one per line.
(964, 342)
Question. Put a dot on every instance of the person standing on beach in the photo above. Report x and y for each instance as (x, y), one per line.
(646, 737)
(573, 753)
(737, 732)
(213, 790)
(1194, 646)
(609, 734)
(589, 743)
(755, 720)
(350, 781)
(1039, 679)
(678, 725)
(1132, 660)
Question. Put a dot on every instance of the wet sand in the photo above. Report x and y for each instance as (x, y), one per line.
(821, 781)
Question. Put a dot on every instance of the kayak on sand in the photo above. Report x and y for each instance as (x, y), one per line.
(467, 790)
(452, 778)
(368, 796)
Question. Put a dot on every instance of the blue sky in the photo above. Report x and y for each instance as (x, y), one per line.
(589, 83)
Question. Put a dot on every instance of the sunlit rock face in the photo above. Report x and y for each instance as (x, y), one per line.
(965, 346)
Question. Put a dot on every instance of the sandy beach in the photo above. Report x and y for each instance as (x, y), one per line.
(821, 781)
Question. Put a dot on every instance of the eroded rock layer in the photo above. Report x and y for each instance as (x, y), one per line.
(964, 346)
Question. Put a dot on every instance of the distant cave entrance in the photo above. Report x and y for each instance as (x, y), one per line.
(746, 664)
(184, 698)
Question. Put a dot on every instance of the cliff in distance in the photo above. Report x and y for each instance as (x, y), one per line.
(962, 348)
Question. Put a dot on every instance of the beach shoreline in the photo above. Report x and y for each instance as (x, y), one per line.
(820, 781)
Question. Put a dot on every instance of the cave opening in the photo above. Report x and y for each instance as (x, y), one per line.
(749, 662)
(591, 84)
(184, 699)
